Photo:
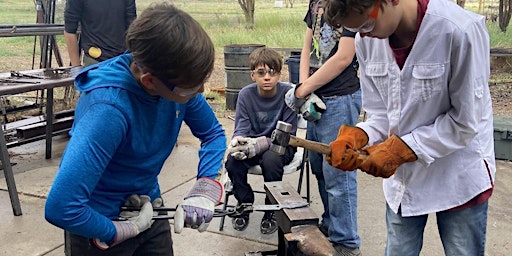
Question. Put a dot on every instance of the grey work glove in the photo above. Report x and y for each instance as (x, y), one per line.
(196, 210)
(74, 71)
(136, 201)
(249, 147)
(233, 150)
(293, 102)
(313, 108)
(132, 226)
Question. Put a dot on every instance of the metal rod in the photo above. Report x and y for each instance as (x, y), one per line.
(31, 30)
(156, 209)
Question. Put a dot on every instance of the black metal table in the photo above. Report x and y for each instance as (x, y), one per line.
(21, 86)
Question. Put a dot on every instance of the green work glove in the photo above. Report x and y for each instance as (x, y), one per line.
(313, 108)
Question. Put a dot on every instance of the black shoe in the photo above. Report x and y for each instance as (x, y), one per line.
(345, 251)
(323, 229)
(268, 223)
(240, 223)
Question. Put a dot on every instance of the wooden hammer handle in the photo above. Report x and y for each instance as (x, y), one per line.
(321, 148)
(361, 156)
(311, 145)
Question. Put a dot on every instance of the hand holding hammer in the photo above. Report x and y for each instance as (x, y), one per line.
(281, 138)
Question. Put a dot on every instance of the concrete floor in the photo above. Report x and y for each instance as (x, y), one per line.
(30, 234)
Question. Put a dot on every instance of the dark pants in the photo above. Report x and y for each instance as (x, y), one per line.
(155, 241)
(272, 167)
(89, 61)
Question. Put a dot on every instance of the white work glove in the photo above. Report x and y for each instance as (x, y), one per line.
(313, 108)
(233, 150)
(74, 71)
(136, 201)
(132, 226)
(293, 102)
(196, 211)
(248, 147)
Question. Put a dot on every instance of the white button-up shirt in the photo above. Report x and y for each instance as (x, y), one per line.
(439, 104)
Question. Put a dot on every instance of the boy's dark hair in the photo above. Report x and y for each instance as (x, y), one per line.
(169, 43)
(335, 11)
(266, 56)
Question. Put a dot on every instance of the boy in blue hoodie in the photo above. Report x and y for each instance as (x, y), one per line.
(127, 121)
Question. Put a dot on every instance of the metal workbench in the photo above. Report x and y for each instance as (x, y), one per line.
(11, 86)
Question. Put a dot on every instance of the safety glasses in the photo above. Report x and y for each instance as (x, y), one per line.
(368, 25)
(178, 90)
(172, 87)
(262, 72)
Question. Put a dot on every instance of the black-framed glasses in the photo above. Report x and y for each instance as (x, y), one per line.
(262, 72)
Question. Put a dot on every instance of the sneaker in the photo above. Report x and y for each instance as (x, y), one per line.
(268, 223)
(345, 251)
(241, 221)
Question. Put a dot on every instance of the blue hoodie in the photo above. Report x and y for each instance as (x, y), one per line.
(119, 142)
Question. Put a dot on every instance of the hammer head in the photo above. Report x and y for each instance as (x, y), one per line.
(280, 137)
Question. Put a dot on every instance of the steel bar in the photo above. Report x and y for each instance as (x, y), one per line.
(31, 30)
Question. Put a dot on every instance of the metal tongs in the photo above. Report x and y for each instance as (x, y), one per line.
(231, 212)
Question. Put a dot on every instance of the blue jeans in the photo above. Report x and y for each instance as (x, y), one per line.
(462, 232)
(338, 189)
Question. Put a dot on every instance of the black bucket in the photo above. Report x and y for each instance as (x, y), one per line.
(293, 63)
(238, 73)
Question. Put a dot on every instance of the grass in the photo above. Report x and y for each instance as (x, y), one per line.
(222, 19)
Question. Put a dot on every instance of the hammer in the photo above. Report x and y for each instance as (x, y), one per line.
(281, 138)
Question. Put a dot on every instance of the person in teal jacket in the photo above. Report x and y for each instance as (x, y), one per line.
(127, 121)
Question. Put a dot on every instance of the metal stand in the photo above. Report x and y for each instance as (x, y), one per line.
(9, 176)
(280, 192)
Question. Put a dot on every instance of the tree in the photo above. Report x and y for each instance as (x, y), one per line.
(504, 14)
(248, 8)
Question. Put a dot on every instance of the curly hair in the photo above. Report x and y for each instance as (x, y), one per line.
(170, 43)
(335, 11)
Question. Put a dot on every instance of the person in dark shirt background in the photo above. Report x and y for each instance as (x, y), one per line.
(102, 23)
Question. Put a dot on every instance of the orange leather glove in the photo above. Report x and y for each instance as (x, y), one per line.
(343, 149)
(385, 157)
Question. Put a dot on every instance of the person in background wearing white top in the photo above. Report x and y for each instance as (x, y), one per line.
(424, 71)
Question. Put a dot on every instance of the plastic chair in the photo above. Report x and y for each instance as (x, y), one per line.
(300, 162)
